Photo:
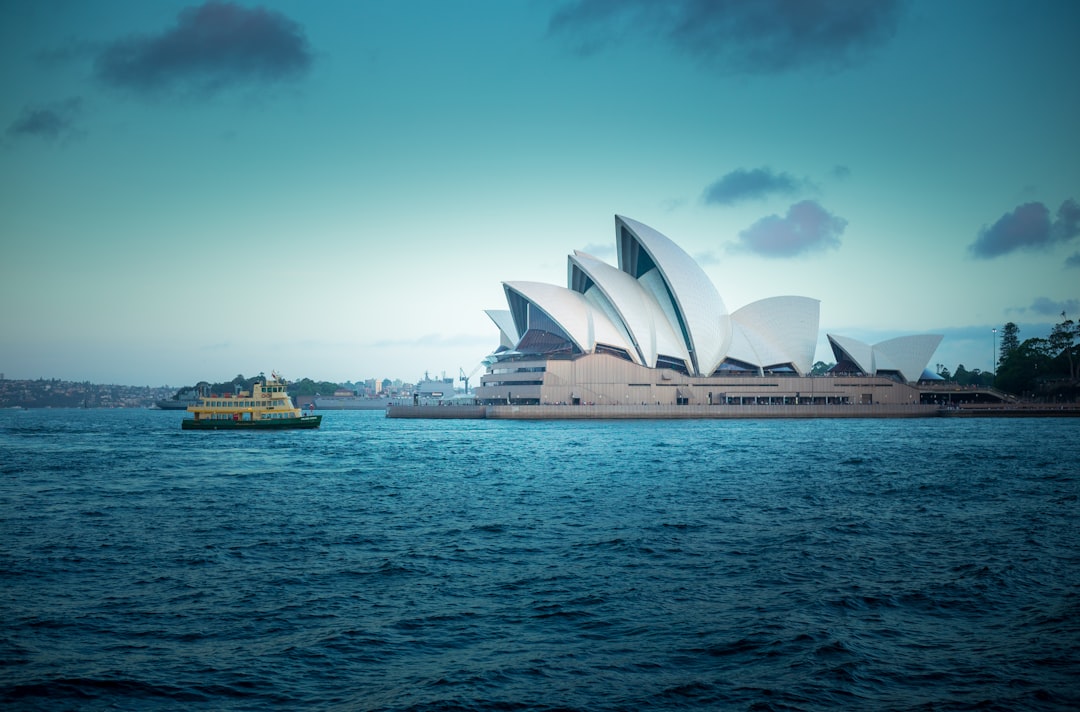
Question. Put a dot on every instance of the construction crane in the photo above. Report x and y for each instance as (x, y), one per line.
(463, 377)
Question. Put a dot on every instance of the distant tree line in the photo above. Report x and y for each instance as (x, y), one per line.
(964, 377)
(1044, 369)
(303, 387)
(308, 387)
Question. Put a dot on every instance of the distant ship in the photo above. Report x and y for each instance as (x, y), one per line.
(183, 398)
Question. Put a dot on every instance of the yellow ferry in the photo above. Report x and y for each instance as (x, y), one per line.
(267, 407)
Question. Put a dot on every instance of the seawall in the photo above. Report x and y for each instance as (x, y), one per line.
(658, 412)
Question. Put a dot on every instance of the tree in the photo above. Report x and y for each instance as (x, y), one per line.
(820, 368)
(1061, 341)
(1026, 367)
(308, 387)
(239, 383)
(1010, 341)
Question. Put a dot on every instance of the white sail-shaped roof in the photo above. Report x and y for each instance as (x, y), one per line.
(647, 327)
(584, 324)
(508, 335)
(751, 346)
(909, 355)
(777, 331)
(742, 346)
(700, 314)
(862, 355)
(905, 355)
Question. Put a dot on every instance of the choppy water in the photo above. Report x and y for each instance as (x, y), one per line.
(428, 565)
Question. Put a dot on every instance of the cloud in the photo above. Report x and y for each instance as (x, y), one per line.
(211, 47)
(707, 258)
(755, 184)
(1073, 260)
(1049, 307)
(806, 228)
(1028, 227)
(735, 36)
(840, 172)
(50, 122)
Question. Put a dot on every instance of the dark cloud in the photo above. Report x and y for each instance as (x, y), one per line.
(1073, 260)
(840, 172)
(51, 122)
(211, 47)
(1067, 225)
(741, 184)
(1028, 227)
(1049, 307)
(806, 228)
(736, 36)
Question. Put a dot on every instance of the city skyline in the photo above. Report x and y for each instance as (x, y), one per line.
(336, 191)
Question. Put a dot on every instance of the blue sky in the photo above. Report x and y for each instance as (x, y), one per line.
(337, 189)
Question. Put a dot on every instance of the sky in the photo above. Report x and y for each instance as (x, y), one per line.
(337, 190)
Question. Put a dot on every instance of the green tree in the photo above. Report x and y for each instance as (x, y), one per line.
(820, 368)
(1061, 340)
(1010, 341)
(237, 384)
(975, 377)
(1028, 365)
(308, 387)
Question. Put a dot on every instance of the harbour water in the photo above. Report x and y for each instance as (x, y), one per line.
(379, 564)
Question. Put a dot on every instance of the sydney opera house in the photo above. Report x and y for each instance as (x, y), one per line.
(655, 331)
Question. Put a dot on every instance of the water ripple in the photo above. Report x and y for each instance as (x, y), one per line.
(475, 565)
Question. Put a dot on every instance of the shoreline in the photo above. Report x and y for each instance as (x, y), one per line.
(719, 412)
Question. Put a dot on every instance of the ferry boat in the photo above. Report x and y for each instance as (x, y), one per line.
(267, 407)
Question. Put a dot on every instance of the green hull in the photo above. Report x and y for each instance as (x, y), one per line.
(304, 421)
